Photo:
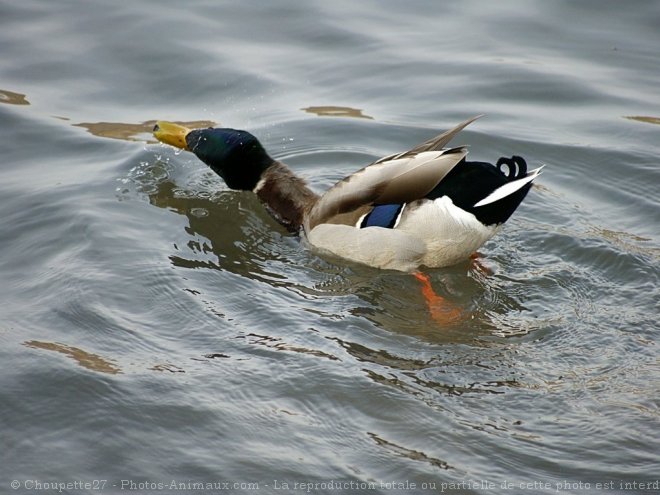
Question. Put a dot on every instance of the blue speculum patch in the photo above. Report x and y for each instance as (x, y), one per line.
(382, 216)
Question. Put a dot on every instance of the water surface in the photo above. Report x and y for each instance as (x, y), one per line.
(158, 327)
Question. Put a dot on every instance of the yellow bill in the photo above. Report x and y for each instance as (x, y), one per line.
(172, 134)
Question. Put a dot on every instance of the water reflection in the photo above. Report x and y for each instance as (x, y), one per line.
(473, 372)
(167, 367)
(279, 345)
(11, 98)
(414, 455)
(226, 230)
(645, 119)
(334, 111)
(83, 358)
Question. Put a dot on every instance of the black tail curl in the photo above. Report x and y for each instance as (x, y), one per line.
(516, 167)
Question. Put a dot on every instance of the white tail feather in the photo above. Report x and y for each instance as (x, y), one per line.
(509, 188)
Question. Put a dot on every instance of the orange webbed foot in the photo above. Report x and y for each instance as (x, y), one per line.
(442, 311)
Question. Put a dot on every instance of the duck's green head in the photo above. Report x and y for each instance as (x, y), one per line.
(236, 156)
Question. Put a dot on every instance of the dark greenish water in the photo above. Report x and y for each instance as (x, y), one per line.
(157, 328)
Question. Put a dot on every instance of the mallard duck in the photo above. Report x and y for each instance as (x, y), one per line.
(428, 206)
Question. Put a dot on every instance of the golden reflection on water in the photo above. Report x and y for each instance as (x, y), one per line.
(642, 118)
(85, 359)
(134, 132)
(333, 111)
(627, 242)
(12, 98)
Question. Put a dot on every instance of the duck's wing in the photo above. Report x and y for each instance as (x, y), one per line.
(398, 178)
(434, 144)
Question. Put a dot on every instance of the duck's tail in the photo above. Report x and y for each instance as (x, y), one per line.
(521, 178)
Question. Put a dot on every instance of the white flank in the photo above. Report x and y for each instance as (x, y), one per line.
(373, 246)
(450, 233)
(432, 233)
(509, 188)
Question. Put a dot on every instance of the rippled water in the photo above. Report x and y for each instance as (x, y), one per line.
(157, 327)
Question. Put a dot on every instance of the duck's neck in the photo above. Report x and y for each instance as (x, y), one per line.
(286, 195)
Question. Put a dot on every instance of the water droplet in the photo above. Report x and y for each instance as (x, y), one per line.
(199, 212)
